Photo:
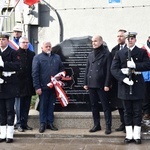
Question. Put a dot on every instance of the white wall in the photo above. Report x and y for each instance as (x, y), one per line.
(84, 20)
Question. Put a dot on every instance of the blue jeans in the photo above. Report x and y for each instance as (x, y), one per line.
(17, 109)
(47, 105)
(22, 107)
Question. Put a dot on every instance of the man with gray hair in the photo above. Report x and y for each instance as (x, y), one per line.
(45, 65)
(26, 89)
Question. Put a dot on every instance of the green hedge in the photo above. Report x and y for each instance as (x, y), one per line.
(33, 100)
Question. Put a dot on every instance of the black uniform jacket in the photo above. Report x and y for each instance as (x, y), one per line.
(25, 74)
(142, 62)
(11, 64)
(97, 74)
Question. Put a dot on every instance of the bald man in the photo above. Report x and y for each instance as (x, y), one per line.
(97, 81)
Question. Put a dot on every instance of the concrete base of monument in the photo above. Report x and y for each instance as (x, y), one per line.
(76, 125)
(77, 120)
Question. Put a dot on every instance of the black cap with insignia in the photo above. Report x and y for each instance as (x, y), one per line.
(4, 35)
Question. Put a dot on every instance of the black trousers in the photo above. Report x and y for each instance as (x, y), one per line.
(132, 112)
(97, 95)
(121, 113)
(7, 113)
(24, 109)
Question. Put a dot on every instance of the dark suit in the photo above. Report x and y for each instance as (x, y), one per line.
(116, 103)
(97, 76)
(131, 102)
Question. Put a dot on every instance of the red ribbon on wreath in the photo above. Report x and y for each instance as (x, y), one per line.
(57, 84)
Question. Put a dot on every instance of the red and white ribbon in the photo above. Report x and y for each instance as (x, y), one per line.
(57, 84)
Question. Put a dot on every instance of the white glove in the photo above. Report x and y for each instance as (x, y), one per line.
(131, 64)
(4, 74)
(1, 81)
(126, 81)
(8, 74)
(125, 71)
(1, 62)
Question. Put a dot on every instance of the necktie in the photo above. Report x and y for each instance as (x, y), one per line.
(121, 47)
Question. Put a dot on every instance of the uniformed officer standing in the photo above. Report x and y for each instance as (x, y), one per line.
(9, 64)
(131, 91)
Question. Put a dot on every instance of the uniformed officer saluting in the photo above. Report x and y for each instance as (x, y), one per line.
(131, 101)
(9, 64)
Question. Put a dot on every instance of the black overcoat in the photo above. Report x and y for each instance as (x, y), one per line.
(11, 64)
(142, 62)
(97, 73)
(115, 101)
(25, 74)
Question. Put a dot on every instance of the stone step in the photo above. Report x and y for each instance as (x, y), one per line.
(76, 125)
(67, 133)
(74, 133)
(78, 120)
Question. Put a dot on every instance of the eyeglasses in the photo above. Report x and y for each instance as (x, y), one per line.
(24, 42)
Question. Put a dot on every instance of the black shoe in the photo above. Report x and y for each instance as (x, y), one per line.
(15, 126)
(27, 127)
(8, 140)
(42, 128)
(108, 131)
(2, 140)
(121, 128)
(52, 127)
(20, 129)
(95, 128)
(126, 141)
(137, 141)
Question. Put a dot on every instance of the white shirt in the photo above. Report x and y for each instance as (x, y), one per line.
(2, 50)
(131, 48)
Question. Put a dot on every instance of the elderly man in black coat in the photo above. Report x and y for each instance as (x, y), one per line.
(97, 81)
(131, 90)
